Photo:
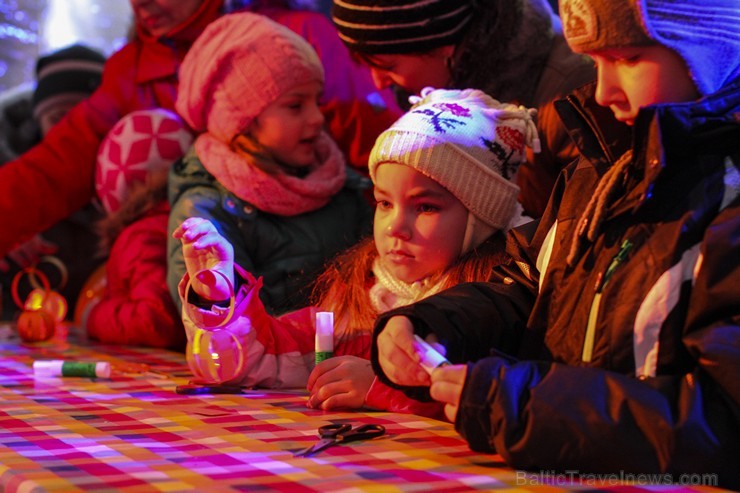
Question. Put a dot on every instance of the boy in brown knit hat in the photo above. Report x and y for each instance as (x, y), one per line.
(629, 359)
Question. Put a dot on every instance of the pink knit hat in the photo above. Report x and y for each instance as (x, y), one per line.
(239, 65)
(140, 142)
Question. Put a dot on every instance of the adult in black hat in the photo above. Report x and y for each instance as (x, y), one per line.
(513, 50)
(65, 77)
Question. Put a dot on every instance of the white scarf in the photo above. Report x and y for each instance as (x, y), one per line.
(388, 292)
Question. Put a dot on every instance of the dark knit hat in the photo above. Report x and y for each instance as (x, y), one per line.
(400, 26)
(68, 75)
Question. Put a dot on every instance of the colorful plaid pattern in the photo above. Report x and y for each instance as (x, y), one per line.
(132, 433)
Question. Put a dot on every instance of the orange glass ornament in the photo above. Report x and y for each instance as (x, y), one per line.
(34, 324)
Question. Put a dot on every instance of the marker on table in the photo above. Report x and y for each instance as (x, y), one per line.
(324, 336)
(61, 368)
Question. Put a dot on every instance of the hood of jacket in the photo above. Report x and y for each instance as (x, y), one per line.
(143, 199)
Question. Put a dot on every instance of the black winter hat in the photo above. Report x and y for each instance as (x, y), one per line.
(385, 27)
(68, 75)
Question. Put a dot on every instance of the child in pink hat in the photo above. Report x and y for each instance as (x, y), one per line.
(263, 169)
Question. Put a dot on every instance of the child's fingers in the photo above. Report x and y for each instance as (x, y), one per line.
(448, 383)
(451, 412)
(187, 225)
(194, 227)
(323, 392)
(400, 331)
(450, 373)
(402, 370)
(339, 394)
(397, 353)
(344, 400)
(446, 392)
(322, 373)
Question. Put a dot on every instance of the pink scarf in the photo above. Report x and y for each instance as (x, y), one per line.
(279, 194)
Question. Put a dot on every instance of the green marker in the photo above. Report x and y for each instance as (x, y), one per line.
(324, 336)
(61, 368)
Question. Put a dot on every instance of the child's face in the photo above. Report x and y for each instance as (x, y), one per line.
(52, 115)
(158, 17)
(631, 78)
(411, 72)
(290, 126)
(419, 225)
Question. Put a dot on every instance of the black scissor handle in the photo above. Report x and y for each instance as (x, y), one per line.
(332, 430)
(363, 432)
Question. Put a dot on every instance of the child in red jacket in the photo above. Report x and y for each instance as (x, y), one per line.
(131, 183)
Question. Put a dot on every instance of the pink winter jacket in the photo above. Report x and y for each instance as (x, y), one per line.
(279, 351)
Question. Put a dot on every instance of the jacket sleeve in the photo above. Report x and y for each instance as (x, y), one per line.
(549, 415)
(137, 308)
(55, 177)
(554, 416)
(200, 199)
(468, 319)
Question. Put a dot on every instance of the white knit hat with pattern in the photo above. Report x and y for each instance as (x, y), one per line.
(470, 144)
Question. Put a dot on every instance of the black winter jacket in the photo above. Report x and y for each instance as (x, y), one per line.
(628, 361)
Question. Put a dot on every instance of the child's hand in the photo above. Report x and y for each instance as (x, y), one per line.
(397, 353)
(28, 253)
(447, 386)
(204, 249)
(340, 382)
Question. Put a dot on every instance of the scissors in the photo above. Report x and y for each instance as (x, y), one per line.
(341, 433)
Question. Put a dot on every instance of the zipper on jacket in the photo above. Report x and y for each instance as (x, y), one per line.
(603, 279)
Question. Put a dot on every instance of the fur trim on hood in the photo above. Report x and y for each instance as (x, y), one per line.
(143, 198)
(506, 49)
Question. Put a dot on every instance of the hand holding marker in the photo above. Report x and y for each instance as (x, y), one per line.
(430, 358)
(324, 336)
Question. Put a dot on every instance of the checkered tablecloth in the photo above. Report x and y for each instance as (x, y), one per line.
(133, 433)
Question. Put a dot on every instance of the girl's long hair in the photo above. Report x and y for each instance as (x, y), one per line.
(247, 147)
(343, 286)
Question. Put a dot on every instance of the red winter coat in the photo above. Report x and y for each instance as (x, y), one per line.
(137, 309)
(55, 178)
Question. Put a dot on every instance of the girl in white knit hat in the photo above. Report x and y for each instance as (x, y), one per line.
(444, 177)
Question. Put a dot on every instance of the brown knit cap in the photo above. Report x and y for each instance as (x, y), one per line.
(592, 25)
